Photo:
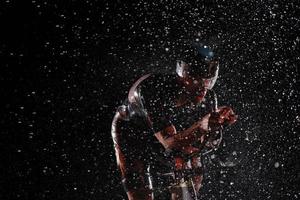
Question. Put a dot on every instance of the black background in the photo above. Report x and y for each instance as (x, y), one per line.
(67, 65)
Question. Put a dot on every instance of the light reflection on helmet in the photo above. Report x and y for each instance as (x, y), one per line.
(198, 60)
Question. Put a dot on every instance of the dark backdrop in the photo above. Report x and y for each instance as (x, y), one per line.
(67, 65)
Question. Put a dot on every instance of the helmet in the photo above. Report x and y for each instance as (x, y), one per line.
(198, 60)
